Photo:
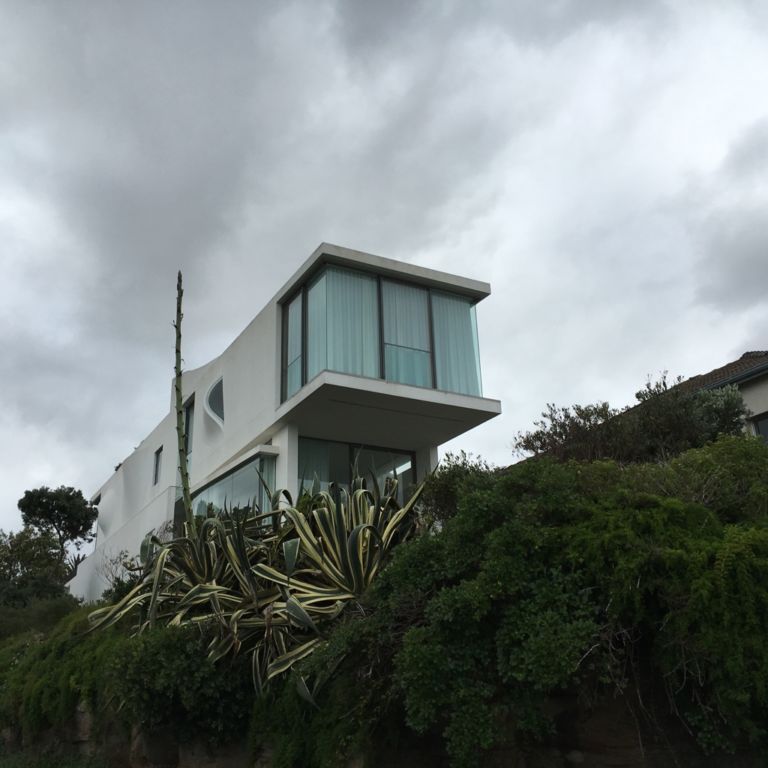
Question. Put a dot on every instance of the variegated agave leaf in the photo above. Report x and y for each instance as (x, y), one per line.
(267, 583)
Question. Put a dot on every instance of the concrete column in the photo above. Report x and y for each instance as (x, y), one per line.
(287, 465)
(426, 461)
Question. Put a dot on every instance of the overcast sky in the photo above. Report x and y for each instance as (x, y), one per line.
(603, 164)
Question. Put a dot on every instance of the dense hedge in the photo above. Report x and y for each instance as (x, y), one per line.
(555, 578)
(160, 680)
(545, 580)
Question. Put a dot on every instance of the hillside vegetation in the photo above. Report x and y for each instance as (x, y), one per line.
(526, 597)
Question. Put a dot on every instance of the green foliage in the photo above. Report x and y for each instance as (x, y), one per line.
(728, 477)
(555, 579)
(36, 615)
(455, 474)
(43, 678)
(31, 568)
(26, 760)
(669, 418)
(65, 514)
(548, 580)
(162, 679)
(165, 680)
(267, 584)
(357, 709)
(122, 572)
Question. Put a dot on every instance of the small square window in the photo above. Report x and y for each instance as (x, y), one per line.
(157, 466)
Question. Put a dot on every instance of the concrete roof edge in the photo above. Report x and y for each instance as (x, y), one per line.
(328, 253)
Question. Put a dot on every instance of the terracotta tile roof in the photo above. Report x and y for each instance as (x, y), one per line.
(748, 365)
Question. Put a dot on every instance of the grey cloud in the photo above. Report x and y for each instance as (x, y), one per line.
(728, 225)
(229, 140)
(166, 111)
(748, 157)
(734, 266)
(370, 29)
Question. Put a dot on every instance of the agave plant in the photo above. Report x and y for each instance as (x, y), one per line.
(268, 583)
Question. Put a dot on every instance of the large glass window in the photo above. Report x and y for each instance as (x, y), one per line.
(343, 324)
(457, 358)
(293, 346)
(240, 489)
(362, 324)
(322, 462)
(407, 358)
(317, 327)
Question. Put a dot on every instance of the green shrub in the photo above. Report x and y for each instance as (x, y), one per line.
(27, 760)
(554, 578)
(36, 615)
(442, 489)
(165, 680)
(547, 580)
(162, 679)
(45, 677)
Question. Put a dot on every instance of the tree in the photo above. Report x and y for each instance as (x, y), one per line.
(669, 418)
(63, 513)
(30, 567)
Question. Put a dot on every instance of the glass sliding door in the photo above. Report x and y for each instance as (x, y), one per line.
(322, 462)
(386, 466)
(457, 358)
(407, 348)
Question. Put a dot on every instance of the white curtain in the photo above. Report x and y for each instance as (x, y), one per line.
(457, 359)
(352, 322)
(407, 356)
(293, 371)
(317, 327)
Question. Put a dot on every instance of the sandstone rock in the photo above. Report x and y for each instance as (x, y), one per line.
(153, 749)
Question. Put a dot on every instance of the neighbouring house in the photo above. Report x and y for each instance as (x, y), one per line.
(358, 360)
(750, 374)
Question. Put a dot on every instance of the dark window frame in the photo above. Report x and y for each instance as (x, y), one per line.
(157, 465)
(231, 471)
(430, 327)
(284, 307)
(311, 278)
(189, 417)
(355, 447)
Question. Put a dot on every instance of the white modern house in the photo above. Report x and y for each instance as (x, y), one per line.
(358, 360)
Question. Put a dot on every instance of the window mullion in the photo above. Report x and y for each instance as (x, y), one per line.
(382, 372)
(303, 335)
(431, 340)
